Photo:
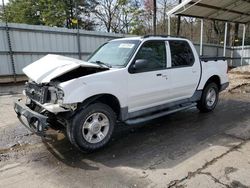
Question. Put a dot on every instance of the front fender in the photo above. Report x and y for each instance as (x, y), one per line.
(80, 89)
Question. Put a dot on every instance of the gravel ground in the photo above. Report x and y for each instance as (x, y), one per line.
(239, 79)
(185, 149)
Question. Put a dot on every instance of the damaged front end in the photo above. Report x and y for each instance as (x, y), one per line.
(34, 121)
(43, 104)
(43, 93)
(44, 98)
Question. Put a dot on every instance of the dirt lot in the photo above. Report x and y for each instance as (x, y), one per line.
(185, 149)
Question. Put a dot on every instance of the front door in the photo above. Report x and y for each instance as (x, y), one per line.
(149, 85)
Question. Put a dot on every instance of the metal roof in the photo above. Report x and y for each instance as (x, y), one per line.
(237, 11)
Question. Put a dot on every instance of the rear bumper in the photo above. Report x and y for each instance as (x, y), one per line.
(224, 86)
(35, 122)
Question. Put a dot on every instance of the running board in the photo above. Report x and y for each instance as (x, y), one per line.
(157, 115)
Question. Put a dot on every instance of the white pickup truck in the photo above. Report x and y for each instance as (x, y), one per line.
(129, 80)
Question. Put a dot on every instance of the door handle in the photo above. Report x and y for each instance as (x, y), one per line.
(194, 71)
(165, 76)
(162, 75)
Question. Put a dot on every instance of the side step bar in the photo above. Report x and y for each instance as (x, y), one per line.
(159, 114)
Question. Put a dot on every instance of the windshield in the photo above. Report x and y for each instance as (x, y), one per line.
(114, 53)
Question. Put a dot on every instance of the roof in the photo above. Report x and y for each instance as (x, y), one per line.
(146, 37)
(127, 38)
(237, 11)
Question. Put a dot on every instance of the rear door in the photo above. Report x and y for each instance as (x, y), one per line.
(185, 69)
(150, 85)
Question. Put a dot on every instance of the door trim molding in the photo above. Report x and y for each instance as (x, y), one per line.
(125, 115)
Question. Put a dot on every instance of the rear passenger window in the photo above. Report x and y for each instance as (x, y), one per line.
(181, 54)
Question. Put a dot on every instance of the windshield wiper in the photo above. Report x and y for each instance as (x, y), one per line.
(101, 64)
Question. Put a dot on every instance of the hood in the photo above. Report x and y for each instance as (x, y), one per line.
(53, 66)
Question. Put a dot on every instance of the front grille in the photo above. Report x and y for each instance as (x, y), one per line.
(37, 92)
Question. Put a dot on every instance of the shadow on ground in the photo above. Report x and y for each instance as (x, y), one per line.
(167, 141)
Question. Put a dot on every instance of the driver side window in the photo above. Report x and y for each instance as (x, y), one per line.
(154, 54)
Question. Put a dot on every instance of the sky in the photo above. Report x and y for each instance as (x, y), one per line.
(5, 1)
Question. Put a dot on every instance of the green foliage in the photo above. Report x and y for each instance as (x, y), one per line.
(50, 12)
(118, 16)
(22, 11)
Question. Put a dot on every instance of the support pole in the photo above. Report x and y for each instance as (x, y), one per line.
(225, 40)
(169, 25)
(78, 42)
(243, 44)
(201, 39)
(78, 34)
(179, 22)
(154, 17)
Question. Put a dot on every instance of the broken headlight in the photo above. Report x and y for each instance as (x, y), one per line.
(60, 95)
(56, 95)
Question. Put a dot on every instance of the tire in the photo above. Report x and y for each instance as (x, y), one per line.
(208, 103)
(92, 127)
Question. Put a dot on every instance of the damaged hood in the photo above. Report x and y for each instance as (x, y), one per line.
(52, 66)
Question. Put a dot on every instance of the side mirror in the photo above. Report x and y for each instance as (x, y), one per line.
(140, 64)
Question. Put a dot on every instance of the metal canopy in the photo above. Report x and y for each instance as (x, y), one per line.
(237, 11)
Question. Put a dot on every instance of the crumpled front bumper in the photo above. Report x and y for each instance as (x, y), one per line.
(35, 122)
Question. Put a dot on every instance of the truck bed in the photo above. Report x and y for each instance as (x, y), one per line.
(209, 58)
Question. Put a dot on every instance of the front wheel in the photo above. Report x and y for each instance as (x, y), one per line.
(92, 127)
(209, 98)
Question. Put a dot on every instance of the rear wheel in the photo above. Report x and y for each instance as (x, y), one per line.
(209, 98)
(92, 127)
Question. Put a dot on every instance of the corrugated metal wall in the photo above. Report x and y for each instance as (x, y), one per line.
(30, 43)
(213, 50)
(237, 52)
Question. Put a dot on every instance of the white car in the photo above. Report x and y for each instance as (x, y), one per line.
(129, 80)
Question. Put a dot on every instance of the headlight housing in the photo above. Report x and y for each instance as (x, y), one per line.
(60, 95)
(56, 95)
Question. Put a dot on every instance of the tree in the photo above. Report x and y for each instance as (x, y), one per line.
(83, 11)
(128, 15)
(219, 30)
(105, 12)
(163, 13)
(51, 12)
(148, 14)
(154, 16)
(236, 34)
(135, 23)
(22, 11)
(118, 16)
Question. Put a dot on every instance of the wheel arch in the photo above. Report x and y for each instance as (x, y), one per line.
(105, 98)
(215, 79)
(208, 78)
